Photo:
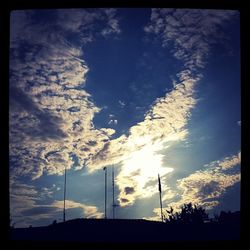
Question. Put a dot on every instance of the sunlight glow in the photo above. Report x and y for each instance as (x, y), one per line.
(141, 168)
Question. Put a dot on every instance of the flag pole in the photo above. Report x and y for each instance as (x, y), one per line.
(159, 182)
(64, 194)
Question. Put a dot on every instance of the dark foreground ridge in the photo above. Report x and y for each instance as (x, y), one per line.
(119, 230)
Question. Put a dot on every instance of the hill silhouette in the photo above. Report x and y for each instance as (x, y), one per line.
(121, 230)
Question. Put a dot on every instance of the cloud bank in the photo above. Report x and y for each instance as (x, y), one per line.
(50, 112)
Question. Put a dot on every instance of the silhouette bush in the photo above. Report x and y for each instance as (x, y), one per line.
(229, 217)
(54, 223)
(189, 214)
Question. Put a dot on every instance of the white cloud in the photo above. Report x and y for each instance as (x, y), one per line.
(122, 104)
(113, 23)
(192, 32)
(196, 185)
(113, 121)
(200, 186)
(48, 192)
(230, 162)
(88, 211)
(49, 109)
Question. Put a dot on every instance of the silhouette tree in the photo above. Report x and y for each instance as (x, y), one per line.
(189, 214)
(172, 217)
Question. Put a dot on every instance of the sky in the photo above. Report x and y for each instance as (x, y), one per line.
(141, 91)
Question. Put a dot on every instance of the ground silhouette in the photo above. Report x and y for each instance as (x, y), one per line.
(225, 227)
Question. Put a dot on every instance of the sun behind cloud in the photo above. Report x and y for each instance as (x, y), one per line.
(138, 170)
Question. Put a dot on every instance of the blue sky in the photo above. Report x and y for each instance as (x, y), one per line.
(145, 91)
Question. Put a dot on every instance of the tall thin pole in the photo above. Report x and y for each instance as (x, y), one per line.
(64, 194)
(105, 169)
(113, 185)
(161, 208)
(159, 182)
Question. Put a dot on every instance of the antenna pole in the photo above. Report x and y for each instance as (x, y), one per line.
(64, 194)
(105, 169)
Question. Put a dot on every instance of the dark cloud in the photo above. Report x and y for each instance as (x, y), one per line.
(137, 172)
(209, 188)
(39, 210)
(74, 109)
(152, 183)
(102, 154)
(85, 149)
(91, 143)
(48, 125)
(123, 200)
(129, 190)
